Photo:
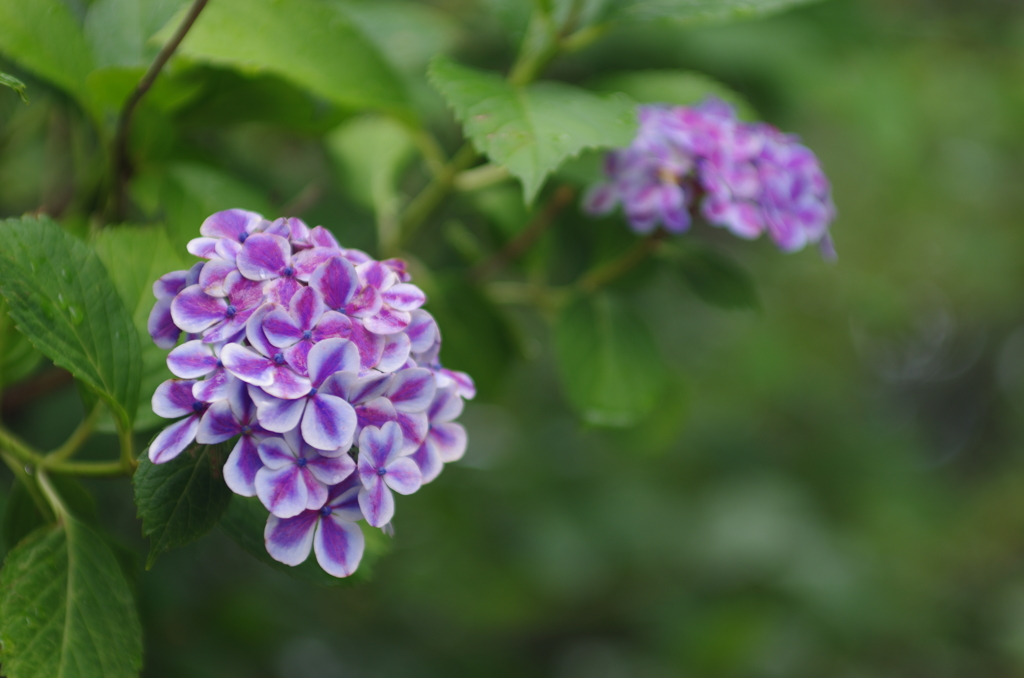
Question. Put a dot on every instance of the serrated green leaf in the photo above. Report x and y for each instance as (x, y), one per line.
(681, 88)
(371, 152)
(18, 358)
(310, 43)
(43, 37)
(62, 299)
(136, 256)
(715, 278)
(181, 500)
(695, 12)
(65, 608)
(245, 521)
(531, 130)
(610, 366)
(15, 84)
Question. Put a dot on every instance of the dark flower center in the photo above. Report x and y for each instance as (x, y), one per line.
(301, 462)
(307, 335)
(220, 365)
(243, 236)
(289, 271)
(312, 392)
(381, 471)
(326, 511)
(279, 358)
(198, 406)
(246, 430)
(230, 311)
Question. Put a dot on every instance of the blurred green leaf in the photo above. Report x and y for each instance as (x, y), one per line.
(15, 84)
(118, 30)
(714, 277)
(531, 130)
(136, 256)
(44, 37)
(66, 609)
(245, 521)
(610, 366)
(191, 192)
(311, 43)
(182, 500)
(407, 34)
(682, 88)
(21, 515)
(18, 358)
(371, 152)
(63, 300)
(697, 12)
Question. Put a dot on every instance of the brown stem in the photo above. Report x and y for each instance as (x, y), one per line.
(598, 277)
(122, 169)
(518, 246)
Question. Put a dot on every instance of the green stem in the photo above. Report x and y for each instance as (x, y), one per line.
(18, 449)
(600, 276)
(539, 47)
(89, 468)
(80, 435)
(432, 195)
(51, 495)
(29, 484)
(128, 462)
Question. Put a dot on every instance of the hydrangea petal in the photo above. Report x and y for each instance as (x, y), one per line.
(248, 366)
(370, 345)
(276, 453)
(336, 281)
(422, 330)
(234, 224)
(412, 390)
(329, 423)
(338, 545)
(403, 476)
(173, 398)
(161, 325)
(387, 321)
(192, 360)
(404, 297)
(289, 540)
(330, 356)
(214, 273)
(287, 384)
(279, 415)
(448, 440)
(173, 440)
(218, 424)
(377, 503)
(282, 330)
(428, 461)
(194, 310)
(264, 257)
(215, 386)
(396, 351)
(331, 470)
(283, 491)
(242, 466)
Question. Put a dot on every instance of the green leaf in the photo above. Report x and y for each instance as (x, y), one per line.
(715, 278)
(681, 88)
(191, 192)
(15, 84)
(18, 358)
(407, 34)
(695, 12)
(65, 608)
(118, 30)
(43, 37)
(310, 43)
(136, 256)
(62, 299)
(181, 500)
(21, 515)
(610, 366)
(245, 521)
(531, 130)
(371, 152)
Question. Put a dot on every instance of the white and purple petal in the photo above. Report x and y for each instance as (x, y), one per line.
(173, 440)
(338, 545)
(283, 491)
(242, 466)
(289, 540)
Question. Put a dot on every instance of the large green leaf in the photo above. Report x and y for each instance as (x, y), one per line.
(682, 88)
(609, 364)
(407, 34)
(18, 358)
(245, 521)
(181, 500)
(311, 43)
(714, 277)
(136, 256)
(692, 12)
(44, 37)
(22, 517)
(531, 130)
(118, 30)
(65, 608)
(63, 300)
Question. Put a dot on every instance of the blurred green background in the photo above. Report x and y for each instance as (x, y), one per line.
(832, 485)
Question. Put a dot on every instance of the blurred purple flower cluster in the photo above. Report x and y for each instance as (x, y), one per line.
(303, 349)
(749, 177)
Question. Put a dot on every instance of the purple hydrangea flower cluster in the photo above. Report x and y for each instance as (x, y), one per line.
(747, 177)
(302, 350)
